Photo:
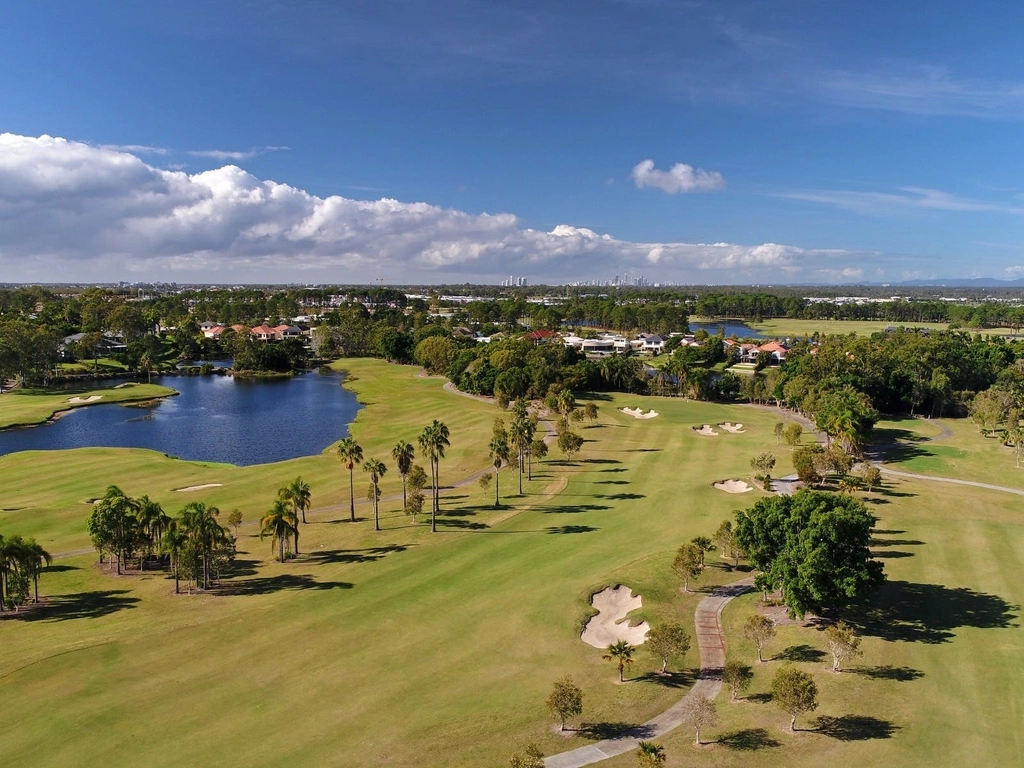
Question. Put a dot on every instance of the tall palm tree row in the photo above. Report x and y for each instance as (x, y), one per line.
(403, 453)
(433, 441)
(499, 453)
(350, 453)
(376, 470)
(21, 562)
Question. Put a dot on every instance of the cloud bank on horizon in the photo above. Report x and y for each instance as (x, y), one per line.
(77, 212)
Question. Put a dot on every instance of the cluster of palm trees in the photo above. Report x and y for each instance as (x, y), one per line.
(281, 522)
(517, 441)
(21, 562)
(433, 441)
(128, 529)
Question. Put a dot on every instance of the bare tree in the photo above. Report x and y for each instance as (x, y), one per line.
(699, 712)
(759, 630)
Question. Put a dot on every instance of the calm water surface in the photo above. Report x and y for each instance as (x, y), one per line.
(215, 418)
(732, 328)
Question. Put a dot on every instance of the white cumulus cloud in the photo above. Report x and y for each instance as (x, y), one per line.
(73, 211)
(679, 178)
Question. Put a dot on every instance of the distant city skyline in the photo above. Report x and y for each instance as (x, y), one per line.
(730, 143)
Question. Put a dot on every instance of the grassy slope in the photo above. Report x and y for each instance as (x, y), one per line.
(24, 407)
(965, 455)
(405, 648)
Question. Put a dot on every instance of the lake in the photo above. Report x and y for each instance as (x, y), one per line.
(732, 328)
(215, 418)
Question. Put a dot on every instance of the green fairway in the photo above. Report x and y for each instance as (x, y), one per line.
(949, 448)
(407, 648)
(24, 407)
(796, 327)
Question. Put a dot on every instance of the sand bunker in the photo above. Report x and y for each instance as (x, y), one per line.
(89, 399)
(733, 486)
(736, 429)
(610, 624)
(638, 413)
(198, 487)
(705, 430)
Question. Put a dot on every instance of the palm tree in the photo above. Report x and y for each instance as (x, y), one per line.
(521, 432)
(622, 653)
(35, 558)
(298, 494)
(153, 521)
(376, 470)
(174, 541)
(281, 525)
(403, 453)
(432, 442)
(200, 525)
(499, 452)
(350, 453)
(650, 754)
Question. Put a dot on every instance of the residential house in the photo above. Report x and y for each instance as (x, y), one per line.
(540, 337)
(263, 333)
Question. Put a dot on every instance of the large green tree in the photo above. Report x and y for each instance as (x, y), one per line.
(814, 546)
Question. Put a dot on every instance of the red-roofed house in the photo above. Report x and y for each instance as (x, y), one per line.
(539, 337)
(777, 350)
(263, 333)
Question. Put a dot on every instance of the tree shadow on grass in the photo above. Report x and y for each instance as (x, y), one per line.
(855, 727)
(465, 525)
(670, 679)
(620, 496)
(616, 469)
(927, 613)
(562, 529)
(81, 605)
(614, 730)
(749, 740)
(800, 653)
(575, 508)
(889, 672)
(895, 554)
(366, 555)
(601, 461)
(60, 568)
(895, 542)
(279, 583)
(612, 482)
(759, 698)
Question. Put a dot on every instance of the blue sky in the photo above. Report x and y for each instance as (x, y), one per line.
(812, 141)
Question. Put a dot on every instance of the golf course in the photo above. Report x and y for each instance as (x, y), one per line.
(409, 648)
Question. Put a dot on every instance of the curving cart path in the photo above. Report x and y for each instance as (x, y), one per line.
(711, 644)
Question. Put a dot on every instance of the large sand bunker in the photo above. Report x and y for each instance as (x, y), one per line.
(638, 413)
(80, 400)
(610, 624)
(705, 430)
(733, 486)
(736, 429)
